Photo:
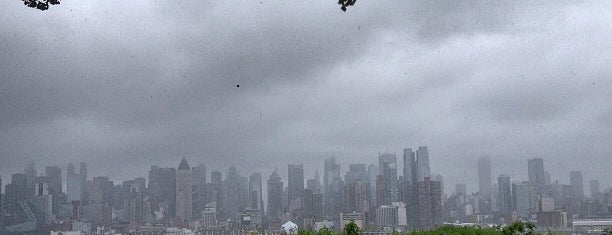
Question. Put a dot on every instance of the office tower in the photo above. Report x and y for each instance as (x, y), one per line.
(54, 174)
(74, 184)
(198, 177)
(382, 195)
(372, 173)
(15, 193)
(256, 192)
(231, 200)
(101, 191)
(484, 176)
(430, 203)
(387, 163)
(162, 188)
(536, 173)
(423, 163)
(522, 201)
(312, 207)
(314, 184)
(505, 194)
(333, 189)
(594, 186)
(461, 189)
(410, 166)
(184, 202)
(577, 183)
(31, 176)
(243, 193)
(295, 184)
(547, 179)
(357, 174)
(275, 192)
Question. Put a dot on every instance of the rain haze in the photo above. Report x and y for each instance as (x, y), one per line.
(123, 85)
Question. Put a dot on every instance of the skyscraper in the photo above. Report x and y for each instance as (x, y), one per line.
(423, 163)
(537, 176)
(54, 174)
(255, 192)
(162, 188)
(505, 194)
(430, 203)
(522, 198)
(484, 177)
(410, 167)
(74, 184)
(184, 203)
(577, 183)
(231, 199)
(275, 192)
(198, 176)
(295, 183)
(387, 163)
(333, 189)
(31, 175)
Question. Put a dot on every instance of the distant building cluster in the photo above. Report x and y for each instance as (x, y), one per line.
(378, 197)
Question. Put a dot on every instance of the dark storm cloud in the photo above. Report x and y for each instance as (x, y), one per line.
(148, 82)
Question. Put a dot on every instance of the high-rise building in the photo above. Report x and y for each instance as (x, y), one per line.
(198, 177)
(537, 175)
(357, 176)
(505, 194)
(255, 192)
(214, 191)
(594, 186)
(102, 191)
(54, 174)
(522, 198)
(387, 163)
(31, 175)
(577, 183)
(461, 189)
(74, 184)
(83, 172)
(333, 189)
(232, 200)
(162, 188)
(275, 192)
(423, 163)
(430, 203)
(295, 184)
(184, 203)
(15, 193)
(484, 176)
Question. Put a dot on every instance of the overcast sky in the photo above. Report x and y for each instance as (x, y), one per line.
(124, 84)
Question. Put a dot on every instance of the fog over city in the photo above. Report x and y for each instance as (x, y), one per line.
(123, 85)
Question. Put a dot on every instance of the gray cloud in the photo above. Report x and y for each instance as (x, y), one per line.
(126, 84)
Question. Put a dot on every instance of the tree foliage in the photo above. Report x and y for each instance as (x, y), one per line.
(351, 228)
(346, 3)
(42, 5)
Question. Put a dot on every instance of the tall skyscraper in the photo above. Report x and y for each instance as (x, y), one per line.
(387, 163)
(594, 186)
(198, 176)
(162, 188)
(522, 198)
(83, 172)
(577, 183)
(54, 174)
(484, 177)
(333, 189)
(423, 163)
(357, 175)
(430, 203)
(184, 203)
(410, 167)
(505, 194)
(295, 183)
(231, 198)
(537, 176)
(275, 192)
(31, 175)
(255, 192)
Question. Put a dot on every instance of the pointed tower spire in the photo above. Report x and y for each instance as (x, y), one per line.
(184, 165)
